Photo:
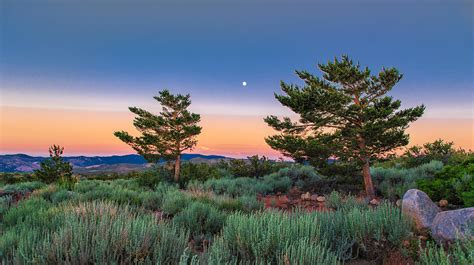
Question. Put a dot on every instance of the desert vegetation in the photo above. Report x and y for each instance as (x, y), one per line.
(337, 202)
(147, 217)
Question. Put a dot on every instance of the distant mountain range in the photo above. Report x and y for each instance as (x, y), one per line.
(91, 164)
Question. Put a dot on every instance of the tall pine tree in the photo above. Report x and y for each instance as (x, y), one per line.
(165, 135)
(345, 113)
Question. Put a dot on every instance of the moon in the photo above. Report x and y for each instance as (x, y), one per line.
(244, 83)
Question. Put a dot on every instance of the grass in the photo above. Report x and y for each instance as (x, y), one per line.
(266, 234)
(97, 232)
(459, 253)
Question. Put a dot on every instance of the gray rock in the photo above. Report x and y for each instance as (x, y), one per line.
(453, 225)
(419, 207)
(399, 203)
(306, 196)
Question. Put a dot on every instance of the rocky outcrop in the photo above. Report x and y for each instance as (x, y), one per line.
(419, 207)
(445, 227)
(453, 225)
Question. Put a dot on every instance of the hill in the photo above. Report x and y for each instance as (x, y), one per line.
(124, 163)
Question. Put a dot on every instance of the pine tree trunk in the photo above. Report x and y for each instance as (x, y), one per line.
(177, 168)
(369, 187)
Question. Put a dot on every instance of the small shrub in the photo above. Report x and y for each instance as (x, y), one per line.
(306, 252)
(101, 233)
(459, 253)
(5, 204)
(450, 183)
(201, 219)
(151, 200)
(199, 172)
(263, 237)
(334, 200)
(250, 203)
(392, 183)
(24, 186)
(174, 202)
(55, 168)
(254, 166)
(17, 177)
(237, 187)
(32, 211)
(277, 183)
(227, 204)
(153, 177)
(46, 192)
(304, 177)
(62, 196)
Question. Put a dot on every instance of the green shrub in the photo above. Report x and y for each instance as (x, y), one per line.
(153, 177)
(24, 186)
(100, 233)
(46, 192)
(199, 172)
(264, 236)
(468, 197)
(334, 200)
(392, 183)
(277, 182)
(237, 187)
(201, 219)
(63, 195)
(459, 253)
(250, 203)
(306, 252)
(5, 204)
(174, 202)
(153, 200)
(55, 168)
(438, 150)
(32, 211)
(11, 178)
(303, 177)
(253, 166)
(450, 183)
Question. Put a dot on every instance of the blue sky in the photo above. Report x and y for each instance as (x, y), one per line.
(107, 55)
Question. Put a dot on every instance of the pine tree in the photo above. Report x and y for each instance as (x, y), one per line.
(165, 135)
(55, 168)
(345, 114)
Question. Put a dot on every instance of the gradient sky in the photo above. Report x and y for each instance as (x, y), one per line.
(69, 69)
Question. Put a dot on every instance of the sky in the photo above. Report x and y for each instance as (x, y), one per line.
(70, 69)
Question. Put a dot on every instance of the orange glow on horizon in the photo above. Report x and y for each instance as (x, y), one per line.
(33, 130)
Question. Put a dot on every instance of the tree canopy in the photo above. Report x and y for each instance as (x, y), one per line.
(165, 135)
(345, 113)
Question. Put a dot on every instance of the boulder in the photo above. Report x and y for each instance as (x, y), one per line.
(419, 207)
(399, 203)
(314, 197)
(306, 196)
(452, 225)
(320, 199)
(374, 202)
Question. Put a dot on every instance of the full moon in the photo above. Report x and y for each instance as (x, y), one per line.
(244, 83)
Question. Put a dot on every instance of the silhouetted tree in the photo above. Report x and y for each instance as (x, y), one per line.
(345, 113)
(165, 135)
